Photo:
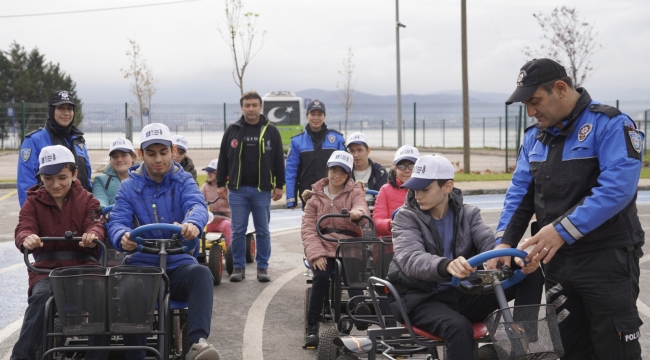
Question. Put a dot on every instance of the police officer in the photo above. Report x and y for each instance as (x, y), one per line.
(58, 130)
(578, 171)
(309, 152)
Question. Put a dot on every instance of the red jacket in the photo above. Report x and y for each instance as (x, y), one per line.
(41, 216)
(352, 197)
(387, 201)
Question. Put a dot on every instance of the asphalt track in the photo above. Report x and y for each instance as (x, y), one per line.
(251, 320)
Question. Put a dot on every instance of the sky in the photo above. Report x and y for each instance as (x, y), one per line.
(306, 41)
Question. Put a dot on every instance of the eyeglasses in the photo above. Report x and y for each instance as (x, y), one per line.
(403, 167)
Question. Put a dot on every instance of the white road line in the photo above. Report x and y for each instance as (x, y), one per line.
(254, 328)
(10, 329)
(643, 308)
(12, 267)
(285, 230)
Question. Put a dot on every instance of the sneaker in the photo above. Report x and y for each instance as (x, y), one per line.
(359, 310)
(202, 351)
(311, 339)
(263, 275)
(238, 274)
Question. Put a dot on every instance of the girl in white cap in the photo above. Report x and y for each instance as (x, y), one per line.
(329, 196)
(391, 196)
(221, 208)
(122, 157)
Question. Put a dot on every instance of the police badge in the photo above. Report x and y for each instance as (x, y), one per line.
(81, 146)
(25, 154)
(584, 131)
(331, 139)
(635, 139)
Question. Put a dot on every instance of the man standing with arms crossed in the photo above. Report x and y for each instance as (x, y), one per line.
(309, 152)
(578, 171)
(251, 164)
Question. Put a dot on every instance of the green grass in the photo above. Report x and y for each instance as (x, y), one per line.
(481, 177)
(645, 173)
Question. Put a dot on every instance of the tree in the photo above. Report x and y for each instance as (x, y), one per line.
(29, 77)
(571, 42)
(142, 86)
(346, 87)
(241, 35)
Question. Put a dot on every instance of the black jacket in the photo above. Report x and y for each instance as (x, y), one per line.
(378, 176)
(271, 157)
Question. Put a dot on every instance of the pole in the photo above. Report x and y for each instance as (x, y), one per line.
(506, 139)
(645, 130)
(399, 80)
(518, 124)
(414, 124)
(463, 32)
(617, 104)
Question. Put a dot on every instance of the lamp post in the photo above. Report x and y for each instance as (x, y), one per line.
(463, 32)
(399, 80)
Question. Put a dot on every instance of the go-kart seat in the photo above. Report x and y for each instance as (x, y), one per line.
(479, 328)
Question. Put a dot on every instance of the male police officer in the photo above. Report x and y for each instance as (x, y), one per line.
(577, 171)
(309, 152)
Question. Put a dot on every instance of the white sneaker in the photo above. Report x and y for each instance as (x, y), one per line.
(202, 351)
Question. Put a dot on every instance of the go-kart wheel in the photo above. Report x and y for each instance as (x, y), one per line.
(250, 248)
(306, 306)
(327, 350)
(347, 356)
(215, 264)
(230, 263)
(488, 352)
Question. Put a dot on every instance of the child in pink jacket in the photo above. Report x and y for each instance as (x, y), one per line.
(391, 196)
(329, 196)
(220, 209)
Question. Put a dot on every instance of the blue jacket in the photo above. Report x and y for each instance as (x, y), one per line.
(177, 199)
(582, 179)
(31, 148)
(307, 160)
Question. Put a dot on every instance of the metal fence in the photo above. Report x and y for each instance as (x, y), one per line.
(496, 130)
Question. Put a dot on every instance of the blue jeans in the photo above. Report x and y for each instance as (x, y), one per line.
(244, 201)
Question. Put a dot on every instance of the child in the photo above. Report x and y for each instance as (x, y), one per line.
(372, 174)
(220, 208)
(329, 196)
(433, 235)
(180, 156)
(61, 204)
(391, 196)
(123, 157)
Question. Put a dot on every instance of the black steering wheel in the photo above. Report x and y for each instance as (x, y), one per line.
(136, 234)
(482, 281)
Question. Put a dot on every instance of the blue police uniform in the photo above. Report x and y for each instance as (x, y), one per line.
(582, 179)
(307, 160)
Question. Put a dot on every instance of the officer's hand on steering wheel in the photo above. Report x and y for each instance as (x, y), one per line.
(492, 264)
(460, 268)
(127, 244)
(546, 243)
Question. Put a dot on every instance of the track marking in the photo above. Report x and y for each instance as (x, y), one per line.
(11, 193)
(642, 307)
(254, 328)
(10, 329)
(12, 267)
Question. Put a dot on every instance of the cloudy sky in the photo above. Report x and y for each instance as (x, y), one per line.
(306, 41)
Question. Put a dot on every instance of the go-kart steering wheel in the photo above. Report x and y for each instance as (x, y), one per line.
(135, 235)
(506, 276)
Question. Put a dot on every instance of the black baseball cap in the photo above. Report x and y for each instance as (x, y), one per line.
(61, 97)
(533, 74)
(316, 105)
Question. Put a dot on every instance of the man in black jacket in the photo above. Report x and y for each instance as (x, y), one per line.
(373, 175)
(251, 164)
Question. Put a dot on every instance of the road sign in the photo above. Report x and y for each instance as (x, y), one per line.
(10, 112)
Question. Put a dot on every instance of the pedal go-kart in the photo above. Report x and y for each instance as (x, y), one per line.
(100, 302)
(359, 258)
(216, 240)
(521, 332)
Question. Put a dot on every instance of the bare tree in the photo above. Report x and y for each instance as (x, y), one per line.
(346, 87)
(571, 42)
(142, 86)
(242, 35)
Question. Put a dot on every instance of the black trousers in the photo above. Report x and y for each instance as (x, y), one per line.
(595, 294)
(449, 314)
(319, 287)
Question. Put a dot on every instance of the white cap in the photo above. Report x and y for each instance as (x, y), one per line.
(342, 159)
(406, 152)
(53, 159)
(427, 169)
(121, 144)
(358, 138)
(155, 133)
(212, 166)
(180, 141)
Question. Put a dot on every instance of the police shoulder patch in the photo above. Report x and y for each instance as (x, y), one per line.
(610, 111)
(25, 154)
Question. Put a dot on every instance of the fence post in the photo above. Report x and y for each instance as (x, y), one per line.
(22, 122)
(518, 124)
(361, 126)
(382, 132)
(443, 133)
(224, 118)
(506, 139)
(414, 125)
(617, 104)
(645, 130)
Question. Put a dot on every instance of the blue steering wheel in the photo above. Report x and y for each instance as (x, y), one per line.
(107, 209)
(477, 260)
(372, 192)
(135, 235)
